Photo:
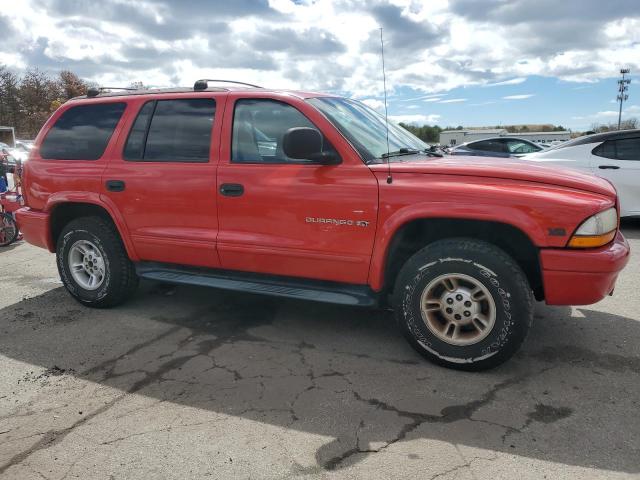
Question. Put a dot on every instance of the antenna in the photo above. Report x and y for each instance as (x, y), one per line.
(386, 113)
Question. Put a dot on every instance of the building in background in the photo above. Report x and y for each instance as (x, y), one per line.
(458, 137)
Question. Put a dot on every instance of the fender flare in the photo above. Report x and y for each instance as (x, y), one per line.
(424, 211)
(101, 201)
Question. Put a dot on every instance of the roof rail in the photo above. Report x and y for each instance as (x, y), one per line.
(203, 84)
(95, 91)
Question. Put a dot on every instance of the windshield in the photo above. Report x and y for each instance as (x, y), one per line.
(365, 128)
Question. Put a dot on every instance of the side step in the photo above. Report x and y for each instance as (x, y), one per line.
(302, 289)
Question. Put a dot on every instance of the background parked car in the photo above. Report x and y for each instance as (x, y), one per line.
(612, 155)
(497, 147)
(21, 150)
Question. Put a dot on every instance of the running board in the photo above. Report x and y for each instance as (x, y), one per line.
(302, 289)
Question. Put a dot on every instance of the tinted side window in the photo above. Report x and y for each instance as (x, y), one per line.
(172, 131)
(488, 146)
(82, 132)
(606, 150)
(134, 149)
(628, 149)
(259, 126)
(623, 149)
(483, 146)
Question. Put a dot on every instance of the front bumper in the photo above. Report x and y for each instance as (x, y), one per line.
(582, 277)
(35, 227)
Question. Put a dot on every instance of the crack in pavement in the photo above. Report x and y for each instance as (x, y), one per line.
(449, 414)
(53, 437)
(467, 464)
(228, 332)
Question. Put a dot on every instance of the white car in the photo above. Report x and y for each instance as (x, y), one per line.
(612, 155)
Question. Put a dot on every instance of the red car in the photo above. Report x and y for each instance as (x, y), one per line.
(300, 195)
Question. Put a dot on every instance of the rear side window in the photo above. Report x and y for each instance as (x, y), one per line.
(623, 149)
(172, 131)
(489, 146)
(82, 132)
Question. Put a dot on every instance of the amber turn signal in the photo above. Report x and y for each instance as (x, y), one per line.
(591, 241)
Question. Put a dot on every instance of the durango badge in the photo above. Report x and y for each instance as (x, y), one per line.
(335, 221)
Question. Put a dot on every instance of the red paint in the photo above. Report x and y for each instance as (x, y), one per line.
(173, 212)
(580, 277)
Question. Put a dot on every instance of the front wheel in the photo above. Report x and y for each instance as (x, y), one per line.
(93, 263)
(463, 304)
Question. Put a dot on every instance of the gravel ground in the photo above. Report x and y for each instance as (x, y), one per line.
(186, 382)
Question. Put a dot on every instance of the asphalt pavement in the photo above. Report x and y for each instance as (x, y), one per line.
(188, 382)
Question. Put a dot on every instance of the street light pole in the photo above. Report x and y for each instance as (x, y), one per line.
(622, 95)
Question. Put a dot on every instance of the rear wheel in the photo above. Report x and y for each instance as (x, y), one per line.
(463, 304)
(93, 263)
(8, 229)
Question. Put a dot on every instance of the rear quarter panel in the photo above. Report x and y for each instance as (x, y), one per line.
(64, 178)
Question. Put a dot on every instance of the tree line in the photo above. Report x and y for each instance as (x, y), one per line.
(628, 124)
(27, 101)
(431, 134)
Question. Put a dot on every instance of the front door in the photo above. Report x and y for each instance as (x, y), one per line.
(163, 178)
(289, 217)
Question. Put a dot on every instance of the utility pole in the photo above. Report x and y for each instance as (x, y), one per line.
(622, 95)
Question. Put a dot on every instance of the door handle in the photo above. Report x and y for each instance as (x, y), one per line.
(115, 185)
(608, 167)
(231, 189)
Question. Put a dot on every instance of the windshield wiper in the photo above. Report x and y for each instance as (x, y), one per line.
(402, 151)
(410, 151)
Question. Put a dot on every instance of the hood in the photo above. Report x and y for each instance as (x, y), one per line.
(501, 168)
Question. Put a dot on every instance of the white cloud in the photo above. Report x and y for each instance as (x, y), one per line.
(453, 100)
(519, 97)
(374, 103)
(608, 115)
(426, 98)
(513, 81)
(328, 45)
(416, 119)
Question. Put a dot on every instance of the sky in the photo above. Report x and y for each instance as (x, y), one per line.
(448, 62)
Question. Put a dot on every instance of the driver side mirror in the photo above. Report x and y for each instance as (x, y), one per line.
(304, 143)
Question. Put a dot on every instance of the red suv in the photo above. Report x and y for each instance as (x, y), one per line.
(308, 195)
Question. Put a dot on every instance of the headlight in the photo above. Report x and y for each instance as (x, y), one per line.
(596, 231)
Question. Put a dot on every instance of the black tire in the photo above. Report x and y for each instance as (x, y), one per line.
(8, 229)
(487, 265)
(120, 279)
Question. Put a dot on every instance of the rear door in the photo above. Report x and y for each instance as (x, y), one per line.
(163, 177)
(619, 162)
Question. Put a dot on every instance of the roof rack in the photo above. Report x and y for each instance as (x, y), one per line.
(95, 91)
(203, 84)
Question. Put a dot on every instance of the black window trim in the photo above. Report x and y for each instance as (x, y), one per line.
(106, 147)
(148, 126)
(291, 162)
(615, 147)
